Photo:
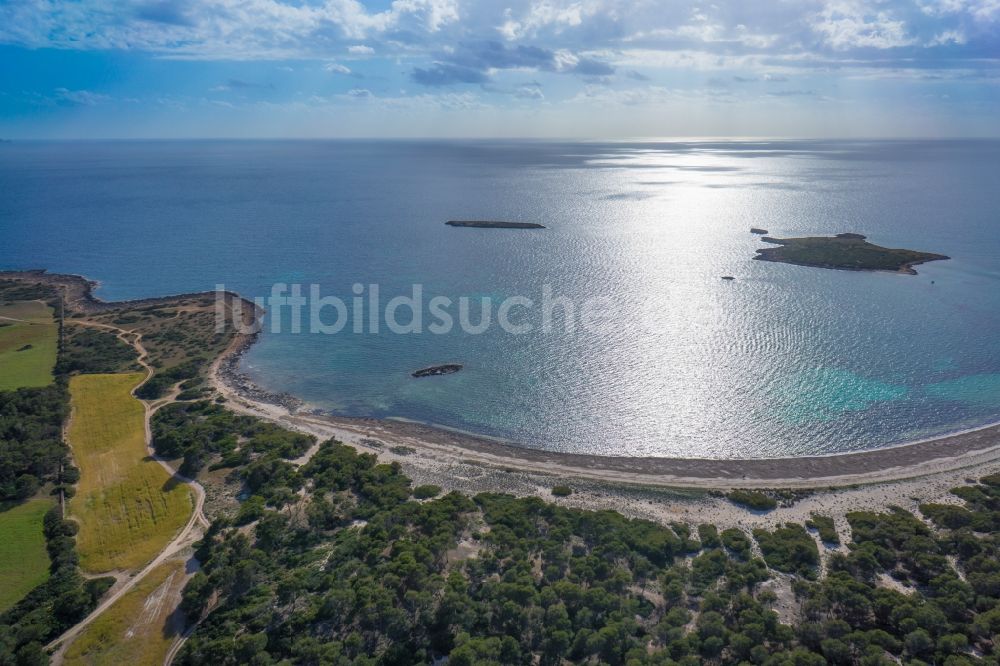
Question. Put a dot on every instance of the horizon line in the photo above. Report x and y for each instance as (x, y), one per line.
(526, 139)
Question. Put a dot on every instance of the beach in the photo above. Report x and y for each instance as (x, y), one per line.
(956, 451)
(660, 489)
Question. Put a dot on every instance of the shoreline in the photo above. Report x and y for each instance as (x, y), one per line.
(436, 446)
(440, 445)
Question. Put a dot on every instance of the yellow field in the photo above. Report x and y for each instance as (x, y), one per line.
(28, 343)
(127, 505)
(139, 628)
(24, 562)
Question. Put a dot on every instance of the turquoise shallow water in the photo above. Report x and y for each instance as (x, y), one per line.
(971, 389)
(784, 360)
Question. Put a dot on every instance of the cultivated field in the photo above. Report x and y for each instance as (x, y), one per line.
(24, 563)
(127, 505)
(28, 343)
(139, 628)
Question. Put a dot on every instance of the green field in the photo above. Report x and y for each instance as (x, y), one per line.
(139, 628)
(127, 505)
(28, 343)
(24, 562)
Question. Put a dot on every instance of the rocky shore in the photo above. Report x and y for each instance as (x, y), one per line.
(228, 371)
(78, 293)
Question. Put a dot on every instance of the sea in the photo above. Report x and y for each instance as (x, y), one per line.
(619, 335)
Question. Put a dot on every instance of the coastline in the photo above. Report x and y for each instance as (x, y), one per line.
(955, 451)
(430, 447)
(905, 269)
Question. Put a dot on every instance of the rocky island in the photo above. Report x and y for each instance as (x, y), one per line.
(849, 252)
(486, 224)
(435, 370)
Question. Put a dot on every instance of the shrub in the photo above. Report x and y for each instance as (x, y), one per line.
(824, 525)
(426, 491)
(562, 491)
(789, 549)
(752, 499)
(947, 515)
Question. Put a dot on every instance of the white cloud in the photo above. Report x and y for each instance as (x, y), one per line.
(554, 15)
(948, 37)
(215, 29)
(634, 35)
(980, 10)
(848, 24)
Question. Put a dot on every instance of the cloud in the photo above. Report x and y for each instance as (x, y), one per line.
(494, 55)
(767, 78)
(948, 37)
(847, 25)
(360, 93)
(240, 84)
(473, 62)
(589, 67)
(979, 10)
(792, 93)
(68, 97)
(217, 29)
(170, 12)
(553, 15)
(529, 92)
(606, 50)
(336, 68)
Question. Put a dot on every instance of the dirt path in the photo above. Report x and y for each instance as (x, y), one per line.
(184, 539)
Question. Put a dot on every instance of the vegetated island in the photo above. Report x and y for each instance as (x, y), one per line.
(435, 370)
(846, 252)
(486, 224)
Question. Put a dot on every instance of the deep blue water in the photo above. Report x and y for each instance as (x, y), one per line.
(785, 360)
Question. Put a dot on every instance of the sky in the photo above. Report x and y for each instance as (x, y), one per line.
(586, 69)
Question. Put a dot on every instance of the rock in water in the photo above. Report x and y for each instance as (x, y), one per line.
(434, 370)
